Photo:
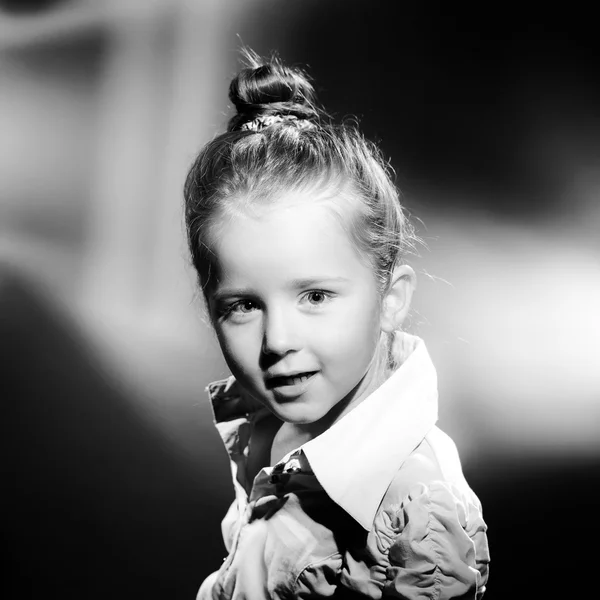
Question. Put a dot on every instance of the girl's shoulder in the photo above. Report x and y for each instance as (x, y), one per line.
(429, 498)
(430, 523)
(434, 461)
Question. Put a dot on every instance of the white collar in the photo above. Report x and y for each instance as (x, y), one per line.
(355, 460)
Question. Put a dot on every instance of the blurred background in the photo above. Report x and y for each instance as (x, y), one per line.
(114, 482)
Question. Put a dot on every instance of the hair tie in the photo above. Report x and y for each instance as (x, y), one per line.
(261, 122)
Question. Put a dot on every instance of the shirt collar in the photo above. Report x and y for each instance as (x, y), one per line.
(369, 444)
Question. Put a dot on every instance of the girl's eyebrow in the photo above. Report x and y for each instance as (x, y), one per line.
(294, 284)
(315, 281)
(231, 293)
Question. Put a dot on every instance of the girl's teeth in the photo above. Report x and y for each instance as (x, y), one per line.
(296, 380)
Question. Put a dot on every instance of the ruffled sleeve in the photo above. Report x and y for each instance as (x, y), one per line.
(439, 550)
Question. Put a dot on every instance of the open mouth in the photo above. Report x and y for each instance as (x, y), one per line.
(290, 380)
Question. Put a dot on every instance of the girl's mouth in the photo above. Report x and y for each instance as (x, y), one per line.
(292, 382)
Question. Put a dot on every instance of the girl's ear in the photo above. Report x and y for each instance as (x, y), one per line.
(396, 302)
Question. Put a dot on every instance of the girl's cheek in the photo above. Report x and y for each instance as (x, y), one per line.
(229, 339)
(243, 341)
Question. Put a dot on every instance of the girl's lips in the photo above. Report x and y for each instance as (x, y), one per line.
(290, 386)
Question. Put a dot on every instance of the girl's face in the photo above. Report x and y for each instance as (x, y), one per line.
(296, 311)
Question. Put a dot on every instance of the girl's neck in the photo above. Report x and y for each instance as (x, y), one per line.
(289, 437)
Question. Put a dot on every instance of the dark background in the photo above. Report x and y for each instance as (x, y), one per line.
(114, 481)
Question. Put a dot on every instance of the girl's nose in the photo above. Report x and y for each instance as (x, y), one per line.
(280, 334)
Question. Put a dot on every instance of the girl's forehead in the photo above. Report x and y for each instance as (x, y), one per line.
(296, 236)
(284, 221)
(316, 203)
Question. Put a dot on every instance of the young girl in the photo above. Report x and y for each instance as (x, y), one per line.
(343, 484)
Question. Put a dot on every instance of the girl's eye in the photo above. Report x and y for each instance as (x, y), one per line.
(243, 306)
(317, 297)
(238, 310)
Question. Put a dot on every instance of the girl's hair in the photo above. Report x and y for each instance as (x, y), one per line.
(280, 140)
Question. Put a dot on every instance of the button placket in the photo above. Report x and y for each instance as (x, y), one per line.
(281, 473)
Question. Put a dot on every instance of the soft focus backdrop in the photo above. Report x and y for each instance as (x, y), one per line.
(114, 482)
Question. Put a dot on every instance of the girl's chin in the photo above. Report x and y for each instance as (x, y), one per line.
(296, 415)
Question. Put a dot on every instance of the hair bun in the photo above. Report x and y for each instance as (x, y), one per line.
(268, 87)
